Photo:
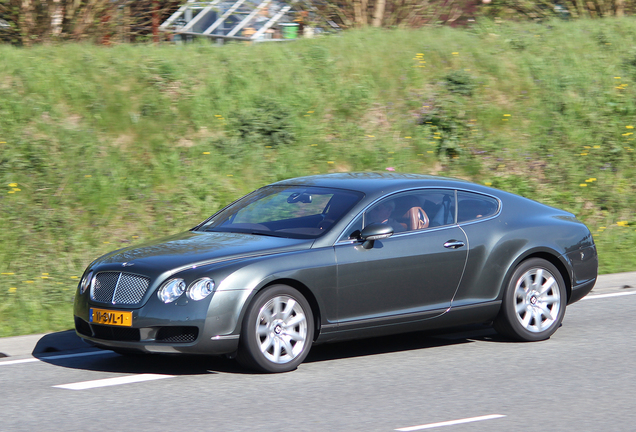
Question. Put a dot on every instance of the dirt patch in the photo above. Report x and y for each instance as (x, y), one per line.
(376, 118)
(184, 142)
(123, 141)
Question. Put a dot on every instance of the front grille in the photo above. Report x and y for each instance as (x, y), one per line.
(119, 288)
(177, 334)
(115, 333)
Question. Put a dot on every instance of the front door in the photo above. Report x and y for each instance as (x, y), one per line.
(412, 273)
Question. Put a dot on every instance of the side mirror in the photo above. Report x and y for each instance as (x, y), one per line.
(375, 231)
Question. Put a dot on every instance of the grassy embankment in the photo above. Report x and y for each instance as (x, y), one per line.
(102, 148)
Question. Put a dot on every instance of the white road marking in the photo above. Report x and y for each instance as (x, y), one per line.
(450, 423)
(10, 362)
(113, 381)
(600, 296)
(54, 357)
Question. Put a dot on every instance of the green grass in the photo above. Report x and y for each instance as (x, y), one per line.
(102, 148)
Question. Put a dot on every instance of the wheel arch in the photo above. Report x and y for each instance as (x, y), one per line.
(552, 259)
(298, 286)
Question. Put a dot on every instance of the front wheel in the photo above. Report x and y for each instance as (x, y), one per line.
(278, 330)
(533, 303)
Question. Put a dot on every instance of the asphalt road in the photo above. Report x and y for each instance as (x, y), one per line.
(582, 379)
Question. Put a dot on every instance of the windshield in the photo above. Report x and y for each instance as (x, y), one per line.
(285, 211)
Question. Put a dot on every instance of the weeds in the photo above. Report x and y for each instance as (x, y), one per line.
(103, 148)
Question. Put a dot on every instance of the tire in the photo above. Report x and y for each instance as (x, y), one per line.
(534, 302)
(277, 331)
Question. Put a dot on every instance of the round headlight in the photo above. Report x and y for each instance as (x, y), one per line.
(201, 289)
(86, 282)
(171, 290)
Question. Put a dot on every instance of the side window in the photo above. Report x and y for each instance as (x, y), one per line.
(471, 206)
(414, 210)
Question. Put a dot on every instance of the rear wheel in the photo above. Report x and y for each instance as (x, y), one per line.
(277, 332)
(533, 303)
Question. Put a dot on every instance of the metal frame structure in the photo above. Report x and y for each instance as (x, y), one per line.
(211, 18)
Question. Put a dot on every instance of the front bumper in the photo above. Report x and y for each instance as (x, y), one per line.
(188, 327)
(217, 345)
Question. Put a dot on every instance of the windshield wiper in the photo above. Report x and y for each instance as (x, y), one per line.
(262, 233)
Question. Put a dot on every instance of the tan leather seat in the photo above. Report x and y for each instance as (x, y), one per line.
(416, 218)
(409, 213)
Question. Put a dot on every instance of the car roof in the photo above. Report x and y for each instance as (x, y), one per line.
(376, 182)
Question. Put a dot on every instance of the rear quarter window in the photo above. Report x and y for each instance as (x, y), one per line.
(472, 206)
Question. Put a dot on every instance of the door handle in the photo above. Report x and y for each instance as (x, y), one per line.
(454, 244)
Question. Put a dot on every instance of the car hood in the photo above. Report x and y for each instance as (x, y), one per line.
(198, 248)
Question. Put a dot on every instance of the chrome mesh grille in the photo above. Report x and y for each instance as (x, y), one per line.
(130, 289)
(104, 287)
(119, 288)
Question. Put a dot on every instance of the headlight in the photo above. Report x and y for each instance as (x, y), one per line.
(86, 282)
(171, 290)
(201, 289)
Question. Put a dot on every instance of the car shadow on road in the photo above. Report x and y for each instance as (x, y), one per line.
(75, 355)
(401, 342)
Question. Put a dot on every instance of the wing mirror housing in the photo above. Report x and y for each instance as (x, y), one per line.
(373, 232)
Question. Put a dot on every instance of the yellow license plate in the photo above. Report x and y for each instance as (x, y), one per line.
(111, 317)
